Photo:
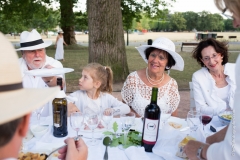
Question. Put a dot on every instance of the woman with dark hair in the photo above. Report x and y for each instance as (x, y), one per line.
(137, 89)
(214, 84)
(224, 144)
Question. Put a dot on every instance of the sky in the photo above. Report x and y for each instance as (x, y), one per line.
(178, 6)
(194, 5)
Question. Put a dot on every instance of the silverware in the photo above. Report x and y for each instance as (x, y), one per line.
(76, 139)
(106, 141)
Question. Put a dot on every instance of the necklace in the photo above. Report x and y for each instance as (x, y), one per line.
(158, 81)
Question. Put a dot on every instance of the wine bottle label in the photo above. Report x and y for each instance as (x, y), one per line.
(150, 131)
(57, 118)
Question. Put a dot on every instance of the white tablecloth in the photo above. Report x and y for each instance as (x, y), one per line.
(168, 135)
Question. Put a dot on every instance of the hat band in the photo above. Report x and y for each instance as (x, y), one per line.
(32, 43)
(10, 87)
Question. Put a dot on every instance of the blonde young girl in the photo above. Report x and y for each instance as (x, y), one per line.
(95, 91)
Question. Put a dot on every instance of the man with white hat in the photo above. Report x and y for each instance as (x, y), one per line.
(16, 105)
(34, 57)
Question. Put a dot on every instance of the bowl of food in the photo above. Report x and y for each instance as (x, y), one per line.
(39, 130)
(225, 117)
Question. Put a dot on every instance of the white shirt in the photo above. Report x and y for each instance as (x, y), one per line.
(105, 100)
(37, 82)
(231, 142)
(205, 90)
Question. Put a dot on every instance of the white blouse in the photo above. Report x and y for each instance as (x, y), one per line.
(104, 101)
(138, 95)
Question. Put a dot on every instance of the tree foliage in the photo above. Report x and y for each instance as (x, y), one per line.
(177, 22)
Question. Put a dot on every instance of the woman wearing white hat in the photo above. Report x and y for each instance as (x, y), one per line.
(16, 106)
(160, 57)
(59, 55)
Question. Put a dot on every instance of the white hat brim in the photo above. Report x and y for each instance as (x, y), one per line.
(179, 61)
(17, 103)
(39, 46)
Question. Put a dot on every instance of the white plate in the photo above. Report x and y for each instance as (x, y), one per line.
(48, 72)
(178, 121)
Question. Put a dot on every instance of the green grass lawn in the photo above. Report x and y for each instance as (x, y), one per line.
(77, 56)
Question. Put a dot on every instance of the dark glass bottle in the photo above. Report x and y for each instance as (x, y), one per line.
(151, 122)
(60, 113)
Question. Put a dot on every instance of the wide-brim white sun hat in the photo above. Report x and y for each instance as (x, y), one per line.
(32, 41)
(17, 101)
(166, 45)
(60, 31)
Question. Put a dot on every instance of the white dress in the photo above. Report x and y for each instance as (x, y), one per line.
(59, 51)
(104, 101)
(138, 95)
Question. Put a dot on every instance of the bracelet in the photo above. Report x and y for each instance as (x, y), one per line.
(199, 153)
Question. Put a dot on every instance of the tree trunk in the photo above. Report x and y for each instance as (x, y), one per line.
(67, 21)
(106, 39)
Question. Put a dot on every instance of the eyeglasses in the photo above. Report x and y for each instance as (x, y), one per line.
(207, 59)
(226, 15)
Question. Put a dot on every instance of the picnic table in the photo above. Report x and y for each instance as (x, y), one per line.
(48, 142)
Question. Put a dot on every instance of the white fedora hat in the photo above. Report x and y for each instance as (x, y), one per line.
(166, 45)
(17, 101)
(60, 31)
(32, 41)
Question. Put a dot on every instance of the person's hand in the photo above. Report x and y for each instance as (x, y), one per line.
(74, 150)
(48, 79)
(72, 108)
(191, 149)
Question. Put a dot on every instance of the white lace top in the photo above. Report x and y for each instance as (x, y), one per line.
(138, 95)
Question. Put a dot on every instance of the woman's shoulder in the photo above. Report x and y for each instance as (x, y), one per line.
(200, 72)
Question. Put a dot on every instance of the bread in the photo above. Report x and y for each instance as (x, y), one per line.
(175, 125)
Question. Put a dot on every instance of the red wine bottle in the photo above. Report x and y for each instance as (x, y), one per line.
(60, 113)
(151, 122)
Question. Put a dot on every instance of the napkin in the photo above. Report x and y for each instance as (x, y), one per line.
(136, 153)
(167, 143)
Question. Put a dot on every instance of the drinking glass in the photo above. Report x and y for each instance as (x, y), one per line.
(165, 115)
(206, 115)
(127, 122)
(92, 119)
(107, 116)
(76, 120)
(193, 120)
(38, 113)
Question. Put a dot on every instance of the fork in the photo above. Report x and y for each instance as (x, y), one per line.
(75, 139)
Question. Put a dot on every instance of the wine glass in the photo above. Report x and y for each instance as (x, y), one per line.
(107, 116)
(76, 120)
(206, 115)
(127, 122)
(92, 119)
(193, 120)
(165, 115)
(38, 113)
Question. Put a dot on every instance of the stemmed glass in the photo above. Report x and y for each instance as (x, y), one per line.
(193, 120)
(127, 122)
(92, 119)
(206, 115)
(38, 112)
(107, 116)
(76, 120)
(165, 115)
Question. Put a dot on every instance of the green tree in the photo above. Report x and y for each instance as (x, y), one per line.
(81, 21)
(177, 22)
(192, 20)
(228, 25)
